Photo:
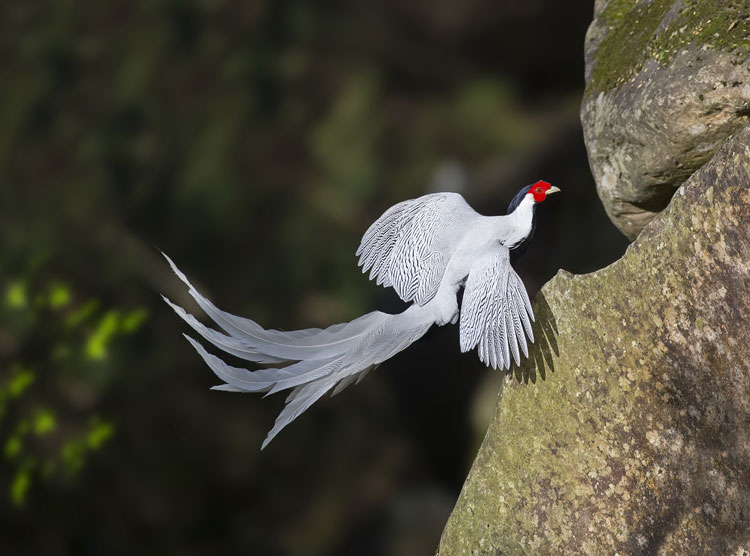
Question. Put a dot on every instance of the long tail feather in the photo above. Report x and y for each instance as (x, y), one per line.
(323, 359)
(289, 346)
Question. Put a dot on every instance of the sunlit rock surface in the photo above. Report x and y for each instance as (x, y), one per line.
(629, 430)
(667, 81)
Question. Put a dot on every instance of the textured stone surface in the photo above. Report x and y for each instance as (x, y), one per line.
(629, 431)
(667, 82)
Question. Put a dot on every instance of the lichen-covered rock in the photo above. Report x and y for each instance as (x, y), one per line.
(667, 81)
(631, 432)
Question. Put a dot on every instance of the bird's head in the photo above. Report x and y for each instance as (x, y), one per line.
(532, 194)
(541, 189)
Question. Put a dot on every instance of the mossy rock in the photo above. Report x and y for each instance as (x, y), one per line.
(628, 430)
(667, 81)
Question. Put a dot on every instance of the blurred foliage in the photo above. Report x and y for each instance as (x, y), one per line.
(254, 142)
(56, 365)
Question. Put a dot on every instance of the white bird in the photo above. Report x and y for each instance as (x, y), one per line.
(426, 249)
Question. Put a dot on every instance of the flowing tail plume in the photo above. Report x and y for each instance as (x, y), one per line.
(317, 360)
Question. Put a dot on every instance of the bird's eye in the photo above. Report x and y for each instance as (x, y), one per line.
(538, 190)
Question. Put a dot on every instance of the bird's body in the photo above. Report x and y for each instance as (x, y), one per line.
(426, 249)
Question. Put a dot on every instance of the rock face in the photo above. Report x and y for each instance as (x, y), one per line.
(629, 431)
(667, 81)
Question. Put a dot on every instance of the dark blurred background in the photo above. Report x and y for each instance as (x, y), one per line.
(255, 141)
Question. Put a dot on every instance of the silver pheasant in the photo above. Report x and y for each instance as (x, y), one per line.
(426, 249)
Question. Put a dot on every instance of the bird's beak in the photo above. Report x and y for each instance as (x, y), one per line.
(552, 190)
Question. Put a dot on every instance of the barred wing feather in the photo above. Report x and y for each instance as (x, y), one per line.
(409, 246)
(496, 313)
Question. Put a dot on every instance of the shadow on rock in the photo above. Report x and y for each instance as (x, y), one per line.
(544, 350)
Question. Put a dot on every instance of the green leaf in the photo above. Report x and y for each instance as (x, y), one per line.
(99, 433)
(72, 455)
(133, 320)
(22, 379)
(19, 486)
(98, 343)
(44, 422)
(16, 295)
(81, 314)
(59, 295)
(13, 447)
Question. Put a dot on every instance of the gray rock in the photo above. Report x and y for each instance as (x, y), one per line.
(628, 430)
(667, 82)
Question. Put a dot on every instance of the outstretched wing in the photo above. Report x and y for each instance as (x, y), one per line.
(496, 310)
(409, 246)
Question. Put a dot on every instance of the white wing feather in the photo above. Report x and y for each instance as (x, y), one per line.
(496, 313)
(409, 246)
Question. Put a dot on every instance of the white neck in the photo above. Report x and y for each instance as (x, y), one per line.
(518, 223)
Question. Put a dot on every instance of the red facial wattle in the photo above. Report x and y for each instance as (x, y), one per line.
(539, 190)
